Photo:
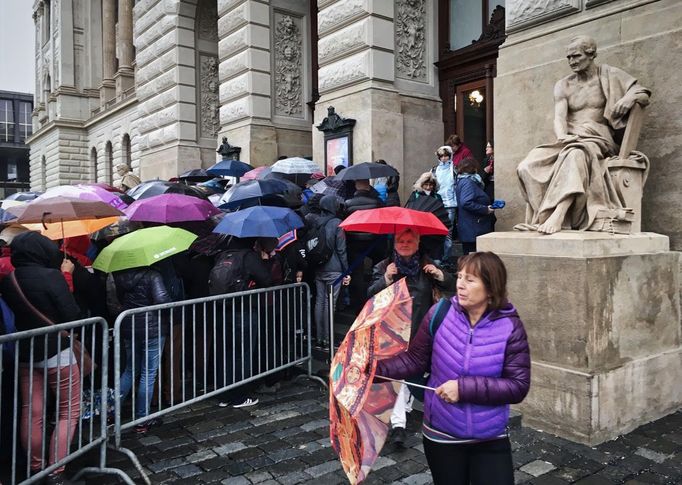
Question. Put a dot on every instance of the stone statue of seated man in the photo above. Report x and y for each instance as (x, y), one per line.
(567, 184)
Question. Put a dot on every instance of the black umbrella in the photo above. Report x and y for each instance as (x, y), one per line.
(158, 187)
(425, 203)
(251, 189)
(366, 171)
(195, 175)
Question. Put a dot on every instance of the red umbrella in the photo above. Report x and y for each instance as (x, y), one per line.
(391, 220)
(253, 174)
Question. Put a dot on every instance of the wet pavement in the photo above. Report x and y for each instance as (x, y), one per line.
(285, 440)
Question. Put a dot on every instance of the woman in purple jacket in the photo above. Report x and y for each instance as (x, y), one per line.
(480, 364)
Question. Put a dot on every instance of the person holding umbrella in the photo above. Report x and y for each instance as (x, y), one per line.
(476, 349)
(422, 276)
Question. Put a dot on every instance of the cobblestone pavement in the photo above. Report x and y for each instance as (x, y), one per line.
(284, 440)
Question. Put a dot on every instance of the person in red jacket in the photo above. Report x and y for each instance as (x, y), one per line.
(459, 150)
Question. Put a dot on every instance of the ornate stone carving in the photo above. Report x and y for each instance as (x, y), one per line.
(209, 109)
(288, 66)
(346, 71)
(346, 40)
(410, 39)
(495, 28)
(339, 13)
(522, 14)
(207, 20)
(334, 123)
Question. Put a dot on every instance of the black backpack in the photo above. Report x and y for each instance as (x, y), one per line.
(317, 249)
(229, 273)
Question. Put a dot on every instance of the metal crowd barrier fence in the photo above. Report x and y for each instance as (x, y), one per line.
(54, 409)
(173, 355)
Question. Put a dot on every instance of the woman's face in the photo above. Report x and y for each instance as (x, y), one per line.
(428, 186)
(471, 291)
(489, 149)
(406, 244)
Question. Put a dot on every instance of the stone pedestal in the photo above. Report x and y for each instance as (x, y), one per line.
(602, 314)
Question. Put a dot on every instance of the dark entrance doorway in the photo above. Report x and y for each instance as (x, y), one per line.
(467, 70)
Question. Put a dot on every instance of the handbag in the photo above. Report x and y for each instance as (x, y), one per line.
(82, 355)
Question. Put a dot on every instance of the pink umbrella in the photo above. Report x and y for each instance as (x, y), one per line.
(85, 192)
(253, 174)
(167, 208)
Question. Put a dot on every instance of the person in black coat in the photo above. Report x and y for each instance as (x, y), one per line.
(365, 197)
(422, 277)
(39, 296)
(143, 334)
(475, 216)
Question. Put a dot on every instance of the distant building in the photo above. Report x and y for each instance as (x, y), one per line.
(15, 128)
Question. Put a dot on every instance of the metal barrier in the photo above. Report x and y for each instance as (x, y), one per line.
(180, 353)
(27, 380)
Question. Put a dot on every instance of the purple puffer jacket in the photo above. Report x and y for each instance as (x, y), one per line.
(491, 361)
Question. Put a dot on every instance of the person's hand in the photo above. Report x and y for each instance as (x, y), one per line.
(448, 391)
(299, 276)
(487, 169)
(67, 266)
(623, 106)
(490, 209)
(432, 270)
(264, 255)
(346, 280)
(391, 271)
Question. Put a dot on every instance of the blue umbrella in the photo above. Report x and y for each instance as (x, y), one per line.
(249, 190)
(229, 168)
(259, 221)
(6, 216)
(24, 196)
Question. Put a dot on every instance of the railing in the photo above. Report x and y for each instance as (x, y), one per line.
(32, 376)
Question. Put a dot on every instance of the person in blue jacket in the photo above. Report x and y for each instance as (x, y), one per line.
(475, 216)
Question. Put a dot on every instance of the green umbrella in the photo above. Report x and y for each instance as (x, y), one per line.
(143, 247)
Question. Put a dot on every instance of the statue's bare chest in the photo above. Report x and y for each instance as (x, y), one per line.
(585, 95)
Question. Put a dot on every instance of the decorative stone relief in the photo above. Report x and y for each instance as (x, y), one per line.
(288, 66)
(522, 14)
(339, 13)
(345, 40)
(207, 20)
(410, 39)
(348, 70)
(210, 106)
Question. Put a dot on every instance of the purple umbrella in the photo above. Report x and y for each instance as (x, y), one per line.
(168, 208)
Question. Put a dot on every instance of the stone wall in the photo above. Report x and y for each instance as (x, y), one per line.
(65, 149)
(643, 38)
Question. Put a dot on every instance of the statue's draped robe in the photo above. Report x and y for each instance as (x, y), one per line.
(553, 172)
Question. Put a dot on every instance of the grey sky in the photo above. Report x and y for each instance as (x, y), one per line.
(16, 46)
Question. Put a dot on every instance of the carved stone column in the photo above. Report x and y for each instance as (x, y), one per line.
(124, 76)
(108, 88)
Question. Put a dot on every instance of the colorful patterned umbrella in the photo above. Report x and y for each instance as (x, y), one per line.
(359, 410)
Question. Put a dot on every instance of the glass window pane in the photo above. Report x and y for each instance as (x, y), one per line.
(11, 170)
(466, 22)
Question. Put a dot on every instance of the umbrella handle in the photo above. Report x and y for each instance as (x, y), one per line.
(42, 219)
(407, 383)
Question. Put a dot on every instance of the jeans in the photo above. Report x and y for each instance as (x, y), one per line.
(146, 368)
(322, 280)
(447, 246)
(462, 464)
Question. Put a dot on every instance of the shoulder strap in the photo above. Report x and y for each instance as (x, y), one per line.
(441, 310)
(25, 301)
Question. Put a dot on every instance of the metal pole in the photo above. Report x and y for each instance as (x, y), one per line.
(330, 307)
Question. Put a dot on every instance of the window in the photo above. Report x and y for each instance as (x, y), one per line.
(25, 126)
(6, 120)
(11, 170)
(467, 20)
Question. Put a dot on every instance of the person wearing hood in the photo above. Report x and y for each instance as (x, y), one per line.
(477, 352)
(36, 292)
(330, 271)
(445, 176)
(475, 216)
(143, 335)
(88, 288)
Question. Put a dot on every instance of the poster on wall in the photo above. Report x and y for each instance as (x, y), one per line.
(337, 153)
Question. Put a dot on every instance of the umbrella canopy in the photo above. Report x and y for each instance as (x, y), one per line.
(259, 221)
(167, 208)
(359, 410)
(331, 186)
(24, 196)
(60, 230)
(366, 171)
(118, 228)
(430, 204)
(85, 192)
(106, 187)
(60, 209)
(229, 168)
(250, 190)
(195, 175)
(143, 248)
(391, 220)
(6, 216)
(257, 173)
(297, 169)
(158, 187)
(7, 203)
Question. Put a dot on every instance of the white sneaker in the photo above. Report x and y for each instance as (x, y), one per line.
(247, 403)
(223, 404)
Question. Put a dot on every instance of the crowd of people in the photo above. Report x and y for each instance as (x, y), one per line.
(58, 279)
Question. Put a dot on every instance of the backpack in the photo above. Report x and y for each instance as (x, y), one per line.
(318, 249)
(228, 275)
